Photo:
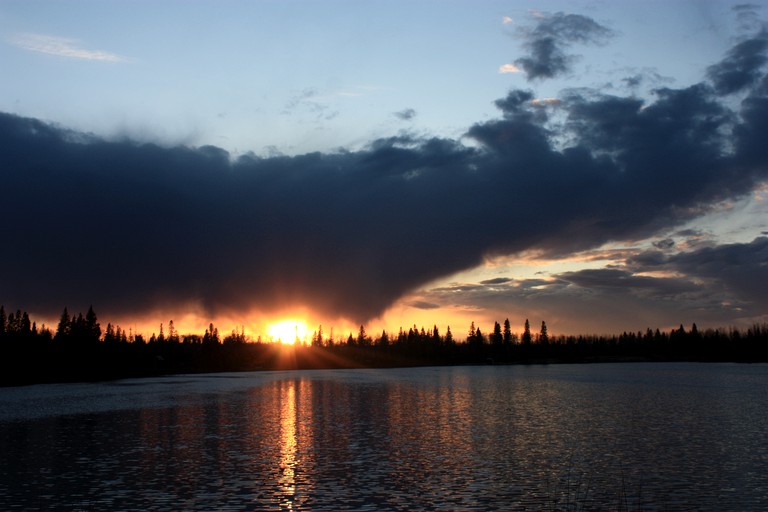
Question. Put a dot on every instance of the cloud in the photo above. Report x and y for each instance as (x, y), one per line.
(61, 47)
(748, 17)
(548, 40)
(717, 285)
(506, 20)
(742, 67)
(645, 75)
(134, 228)
(667, 243)
(496, 280)
(309, 100)
(420, 304)
(306, 95)
(606, 278)
(736, 270)
(405, 115)
(509, 68)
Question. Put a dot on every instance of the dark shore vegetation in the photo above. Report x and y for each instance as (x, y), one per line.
(80, 350)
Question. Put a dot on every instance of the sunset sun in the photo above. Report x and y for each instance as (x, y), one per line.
(288, 331)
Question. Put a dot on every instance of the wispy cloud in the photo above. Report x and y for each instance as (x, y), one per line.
(509, 68)
(310, 100)
(548, 42)
(405, 115)
(506, 20)
(61, 47)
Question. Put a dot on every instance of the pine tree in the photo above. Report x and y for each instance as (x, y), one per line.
(173, 336)
(110, 336)
(211, 336)
(64, 329)
(526, 340)
(435, 335)
(507, 335)
(317, 337)
(496, 337)
(92, 327)
(543, 335)
(25, 325)
(362, 338)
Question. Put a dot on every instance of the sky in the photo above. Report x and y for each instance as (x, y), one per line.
(597, 165)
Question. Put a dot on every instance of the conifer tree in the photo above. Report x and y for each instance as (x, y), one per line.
(362, 337)
(384, 339)
(173, 336)
(496, 337)
(92, 327)
(526, 340)
(64, 329)
(110, 336)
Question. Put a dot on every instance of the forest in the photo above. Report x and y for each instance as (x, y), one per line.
(80, 350)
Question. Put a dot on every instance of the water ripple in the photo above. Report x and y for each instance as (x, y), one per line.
(587, 437)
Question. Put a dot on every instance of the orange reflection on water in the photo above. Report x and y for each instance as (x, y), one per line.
(294, 438)
(288, 443)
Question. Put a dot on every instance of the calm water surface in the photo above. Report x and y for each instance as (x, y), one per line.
(561, 437)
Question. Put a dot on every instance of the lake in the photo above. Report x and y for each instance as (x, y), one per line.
(631, 436)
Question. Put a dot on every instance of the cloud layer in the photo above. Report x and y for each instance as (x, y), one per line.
(134, 228)
(718, 285)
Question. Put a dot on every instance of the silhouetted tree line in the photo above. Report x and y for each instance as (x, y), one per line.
(80, 350)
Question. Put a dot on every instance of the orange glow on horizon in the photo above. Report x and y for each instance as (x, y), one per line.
(288, 332)
(287, 325)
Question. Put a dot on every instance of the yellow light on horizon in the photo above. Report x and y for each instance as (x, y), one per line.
(288, 331)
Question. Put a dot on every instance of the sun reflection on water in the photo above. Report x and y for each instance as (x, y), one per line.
(294, 439)
(288, 445)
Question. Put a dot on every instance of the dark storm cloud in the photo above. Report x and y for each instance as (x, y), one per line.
(549, 39)
(131, 228)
